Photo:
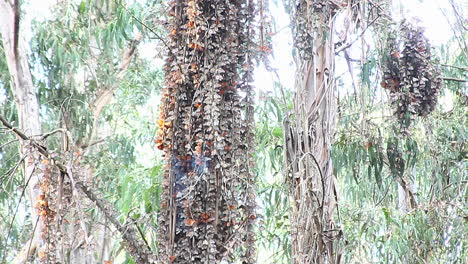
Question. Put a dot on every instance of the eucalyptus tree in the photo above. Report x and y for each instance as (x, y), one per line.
(28, 118)
(310, 127)
(80, 72)
(208, 202)
(309, 133)
(387, 153)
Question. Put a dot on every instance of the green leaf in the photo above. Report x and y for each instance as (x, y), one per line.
(387, 215)
(82, 7)
(277, 132)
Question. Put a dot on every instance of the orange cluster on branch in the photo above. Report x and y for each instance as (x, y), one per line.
(265, 48)
(191, 24)
(205, 217)
(196, 46)
(159, 143)
(190, 222)
(164, 124)
(42, 255)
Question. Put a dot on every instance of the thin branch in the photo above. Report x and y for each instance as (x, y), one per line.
(12, 170)
(453, 79)
(8, 143)
(85, 146)
(340, 49)
(382, 11)
(460, 40)
(142, 235)
(32, 239)
(456, 67)
(106, 94)
(152, 31)
(10, 127)
(459, 17)
(48, 134)
(39, 148)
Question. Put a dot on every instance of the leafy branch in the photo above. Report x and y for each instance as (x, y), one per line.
(135, 247)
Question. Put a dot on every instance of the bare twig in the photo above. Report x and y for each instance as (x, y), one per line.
(48, 134)
(12, 170)
(460, 40)
(456, 67)
(453, 79)
(32, 242)
(85, 146)
(345, 46)
(8, 143)
(382, 11)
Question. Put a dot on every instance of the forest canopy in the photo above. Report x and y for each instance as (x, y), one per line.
(249, 131)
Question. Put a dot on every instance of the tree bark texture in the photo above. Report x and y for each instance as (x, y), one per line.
(309, 133)
(206, 124)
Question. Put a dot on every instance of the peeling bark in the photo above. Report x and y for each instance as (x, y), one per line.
(308, 136)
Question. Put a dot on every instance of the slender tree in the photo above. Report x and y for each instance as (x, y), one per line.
(208, 204)
(37, 171)
(309, 132)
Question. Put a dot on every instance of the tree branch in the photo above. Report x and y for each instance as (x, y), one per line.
(105, 96)
(456, 67)
(453, 79)
(135, 247)
(340, 49)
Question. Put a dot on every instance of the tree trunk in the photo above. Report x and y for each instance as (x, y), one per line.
(309, 134)
(25, 97)
(37, 172)
(206, 134)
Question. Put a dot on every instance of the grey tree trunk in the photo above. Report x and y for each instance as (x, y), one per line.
(309, 134)
(27, 107)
